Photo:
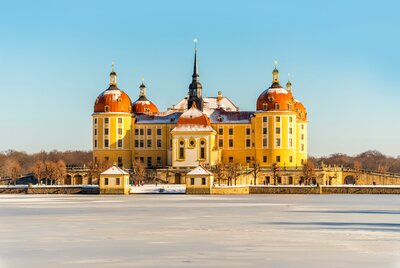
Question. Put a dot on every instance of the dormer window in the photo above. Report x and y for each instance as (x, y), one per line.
(265, 106)
(147, 110)
(277, 106)
(106, 108)
(289, 106)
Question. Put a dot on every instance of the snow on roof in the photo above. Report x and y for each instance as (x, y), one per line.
(278, 90)
(114, 170)
(171, 118)
(116, 93)
(220, 116)
(195, 128)
(199, 171)
(210, 104)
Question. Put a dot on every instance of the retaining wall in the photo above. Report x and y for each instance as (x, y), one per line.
(24, 189)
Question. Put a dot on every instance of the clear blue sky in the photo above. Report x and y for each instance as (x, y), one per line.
(343, 56)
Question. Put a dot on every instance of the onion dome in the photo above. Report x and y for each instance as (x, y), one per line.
(193, 120)
(301, 113)
(142, 104)
(113, 99)
(275, 98)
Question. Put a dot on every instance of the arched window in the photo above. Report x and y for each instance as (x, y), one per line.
(181, 150)
(202, 149)
(192, 143)
(106, 108)
(265, 106)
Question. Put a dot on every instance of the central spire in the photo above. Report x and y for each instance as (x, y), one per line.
(195, 88)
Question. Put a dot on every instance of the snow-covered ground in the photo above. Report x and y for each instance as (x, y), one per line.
(200, 231)
(159, 189)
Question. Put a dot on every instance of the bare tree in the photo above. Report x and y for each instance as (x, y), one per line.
(38, 170)
(255, 171)
(219, 172)
(13, 170)
(308, 171)
(275, 171)
(357, 166)
(95, 169)
(60, 172)
(50, 170)
(139, 171)
(232, 172)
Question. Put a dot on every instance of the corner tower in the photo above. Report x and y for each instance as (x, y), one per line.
(112, 126)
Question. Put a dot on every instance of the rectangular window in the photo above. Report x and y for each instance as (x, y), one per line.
(106, 131)
(149, 144)
(265, 159)
(265, 130)
(158, 131)
(136, 131)
(95, 143)
(230, 131)
(302, 126)
(221, 131)
(248, 159)
(264, 142)
(141, 143)
(290, 180)
(203, 181)
(95, 131)
(106, 143)
(202, 153)
(267, 180)
(120, 143)
(290, 159)
(279, 180)
(278, 159)
(158, 161)
(106, 181)
(247, 131)
(290, 142)
(265, 119)
(191, 181)
(290, 119)
(141, 159)
(106, 120)
(278, 119)
(220, 143)
(290, 130)
(278, 142)
(230, 159)
(302, 147)
(230, 143)
(119, 161)
(136, 143)
(278, 130)
(95, 121)
(158, 143)
(119, 131)
(302, 136)
(247, 143)
(149, 161)
(119, 120)
(141, 131)
(149, 131)
(117, 181)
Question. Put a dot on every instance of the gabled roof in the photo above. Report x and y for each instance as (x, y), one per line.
(114, 170)
(199, 171)
(210, 104)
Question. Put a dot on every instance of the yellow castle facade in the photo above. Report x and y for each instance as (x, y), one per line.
(200, 130)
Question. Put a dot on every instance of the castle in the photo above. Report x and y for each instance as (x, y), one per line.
(200, 130)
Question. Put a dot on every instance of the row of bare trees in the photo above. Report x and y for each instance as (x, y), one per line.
(50, 171)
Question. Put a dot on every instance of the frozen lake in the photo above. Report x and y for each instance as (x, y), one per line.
(200, 231)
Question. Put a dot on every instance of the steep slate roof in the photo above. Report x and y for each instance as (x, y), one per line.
(171, 118)
(220, 116)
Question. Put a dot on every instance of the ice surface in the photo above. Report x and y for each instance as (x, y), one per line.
(200, 231)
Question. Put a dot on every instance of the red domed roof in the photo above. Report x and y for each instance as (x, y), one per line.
(143, 105)
(301, 113)
(275, 98)
(113, 100)
(193, 120)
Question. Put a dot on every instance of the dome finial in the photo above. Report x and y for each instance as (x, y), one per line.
(275, 73)
(142, 88)
(113, 76)
(289, 84)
